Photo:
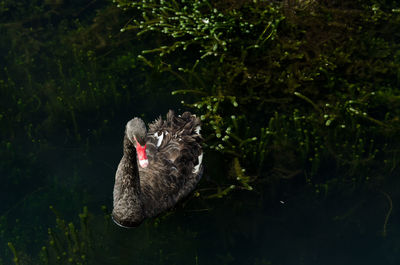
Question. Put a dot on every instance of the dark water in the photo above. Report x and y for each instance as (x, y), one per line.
(293, 226)
(281, 222)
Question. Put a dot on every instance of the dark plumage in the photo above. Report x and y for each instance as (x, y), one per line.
(174, 154)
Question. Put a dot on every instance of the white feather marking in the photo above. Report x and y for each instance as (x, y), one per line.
(197, 167)
(197, 129)
(166, 133)
(160, 138)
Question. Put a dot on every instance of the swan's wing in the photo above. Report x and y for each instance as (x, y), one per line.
(175, 160)
(178, 139)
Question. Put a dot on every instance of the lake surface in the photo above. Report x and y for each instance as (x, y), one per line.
(245, 227)
(56, 195)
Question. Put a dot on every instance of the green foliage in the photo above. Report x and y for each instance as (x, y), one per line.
(302, 89)
(68, 244)
(96, 240)
(212, 30)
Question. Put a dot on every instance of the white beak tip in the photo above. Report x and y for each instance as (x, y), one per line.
(144, 163)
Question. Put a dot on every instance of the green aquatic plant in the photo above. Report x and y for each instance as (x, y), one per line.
(94, 239)
(12, 248)
(389, 199)
(285, 90)
(211, 29)
(68, 243)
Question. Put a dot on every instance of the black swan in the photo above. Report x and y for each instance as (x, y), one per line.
(170, 157)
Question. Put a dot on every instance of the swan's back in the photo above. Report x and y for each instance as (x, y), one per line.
(175, 155)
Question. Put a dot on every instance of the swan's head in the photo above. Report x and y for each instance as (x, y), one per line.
(136, 132)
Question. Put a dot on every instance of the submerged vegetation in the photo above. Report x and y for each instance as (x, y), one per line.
(286, 89)
(304, 93)
(96, 240)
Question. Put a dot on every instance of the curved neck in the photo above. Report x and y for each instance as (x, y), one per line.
(131, 169)
(128, 205)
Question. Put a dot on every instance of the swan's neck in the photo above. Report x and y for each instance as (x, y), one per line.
(128, 204)
(131, 168)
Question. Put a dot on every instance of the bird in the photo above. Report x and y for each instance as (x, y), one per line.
(159, 167)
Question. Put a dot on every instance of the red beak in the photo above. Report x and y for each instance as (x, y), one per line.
(141, 153)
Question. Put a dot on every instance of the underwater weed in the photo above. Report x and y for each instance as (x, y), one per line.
(278, 90)
(12, 248)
